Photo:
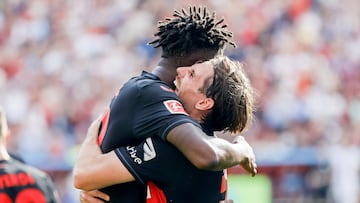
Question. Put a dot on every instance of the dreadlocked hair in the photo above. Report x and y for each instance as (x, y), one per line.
(188, 32)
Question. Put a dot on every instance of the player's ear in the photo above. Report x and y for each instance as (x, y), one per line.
(205, 104)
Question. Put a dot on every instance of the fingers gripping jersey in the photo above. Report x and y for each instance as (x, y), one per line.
(144, 107)
(179, 180)
(20, 183)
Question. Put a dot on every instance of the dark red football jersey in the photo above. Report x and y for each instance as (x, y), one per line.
(21, 183)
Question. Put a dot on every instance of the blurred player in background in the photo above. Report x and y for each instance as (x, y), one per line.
(185, 39)
(21, 182)
(158, 161)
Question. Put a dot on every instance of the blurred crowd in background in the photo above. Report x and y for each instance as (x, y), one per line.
(61, 61)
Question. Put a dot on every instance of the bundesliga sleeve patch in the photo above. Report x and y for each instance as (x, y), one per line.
(175, 107)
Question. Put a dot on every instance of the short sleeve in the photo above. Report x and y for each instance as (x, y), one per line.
(148, 160)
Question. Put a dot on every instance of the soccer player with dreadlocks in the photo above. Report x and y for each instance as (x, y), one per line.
(173, 178)
(147, 106)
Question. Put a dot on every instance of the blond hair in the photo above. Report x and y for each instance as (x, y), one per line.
(3, 123)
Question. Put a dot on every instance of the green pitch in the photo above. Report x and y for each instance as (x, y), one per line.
(247, 189)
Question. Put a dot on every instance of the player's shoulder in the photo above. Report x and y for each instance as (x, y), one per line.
(152, 84)
(142, 82)
(27, 168)
(146, 79)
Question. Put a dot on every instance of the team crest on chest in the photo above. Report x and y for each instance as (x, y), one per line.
(175, 107)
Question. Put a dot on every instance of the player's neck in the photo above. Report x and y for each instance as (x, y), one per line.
(166, 71)
(4, 155)
(196, 114)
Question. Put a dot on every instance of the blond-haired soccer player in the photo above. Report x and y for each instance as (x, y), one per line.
(21, 182)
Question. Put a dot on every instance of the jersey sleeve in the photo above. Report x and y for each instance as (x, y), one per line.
(148, 160)
(160, 112)
(160, 162)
